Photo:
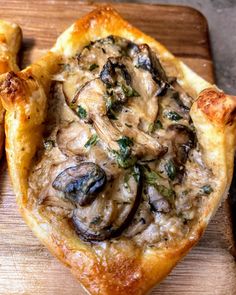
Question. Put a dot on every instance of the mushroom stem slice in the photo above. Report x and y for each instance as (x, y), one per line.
(143, 143)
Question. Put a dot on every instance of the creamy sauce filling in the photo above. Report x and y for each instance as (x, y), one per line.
(120, 158)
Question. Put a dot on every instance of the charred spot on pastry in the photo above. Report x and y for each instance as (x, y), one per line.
(218, 106)
(15, 87)
(12, 86)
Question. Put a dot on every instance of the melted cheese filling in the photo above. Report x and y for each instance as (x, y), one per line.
(113, 105)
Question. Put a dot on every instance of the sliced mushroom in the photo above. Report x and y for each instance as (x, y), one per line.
(186, 99)
(118, 84)
(107, 132)
(141, 220)
(72, 138)
(147, 60)
(157, 201)
(175, 95)
(111, 212)
(146, 145)
(59, 205)
(183, 140)
(114, 71)
(58, 108)
(91, 98)
(81, 183)
(132, 49)
(143, 143)
(145, 107)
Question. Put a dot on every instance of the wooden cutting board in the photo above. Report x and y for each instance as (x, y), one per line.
(26, 267)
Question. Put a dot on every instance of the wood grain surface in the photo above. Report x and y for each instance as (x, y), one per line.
(26, 267)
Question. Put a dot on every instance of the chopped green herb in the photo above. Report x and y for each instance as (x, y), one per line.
(110, 105)
(82, 113)
(116, 96)
(72, 106)
(49, 144)
(92, 141)
(125, 162)
(129, 91)
(151, 128)
(125, 143)
(167, 193)
(155, 126)
(173, 116)
(93, 67)
(151, 177)
(206, 189)
(170, 169)
(124, 157)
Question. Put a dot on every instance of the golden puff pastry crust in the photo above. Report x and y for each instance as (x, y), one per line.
(119, 267)
(10, 41)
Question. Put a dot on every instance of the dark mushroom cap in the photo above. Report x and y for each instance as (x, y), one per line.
(175, 95)
(111, 71)
(183, 141)
(81, 183)
(108, 217)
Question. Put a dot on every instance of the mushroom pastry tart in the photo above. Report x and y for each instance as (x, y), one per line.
(118, 152)
(10, 41)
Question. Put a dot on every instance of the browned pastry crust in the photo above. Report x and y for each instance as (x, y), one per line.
(119, 268)
(10, 40)
(219, 107)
